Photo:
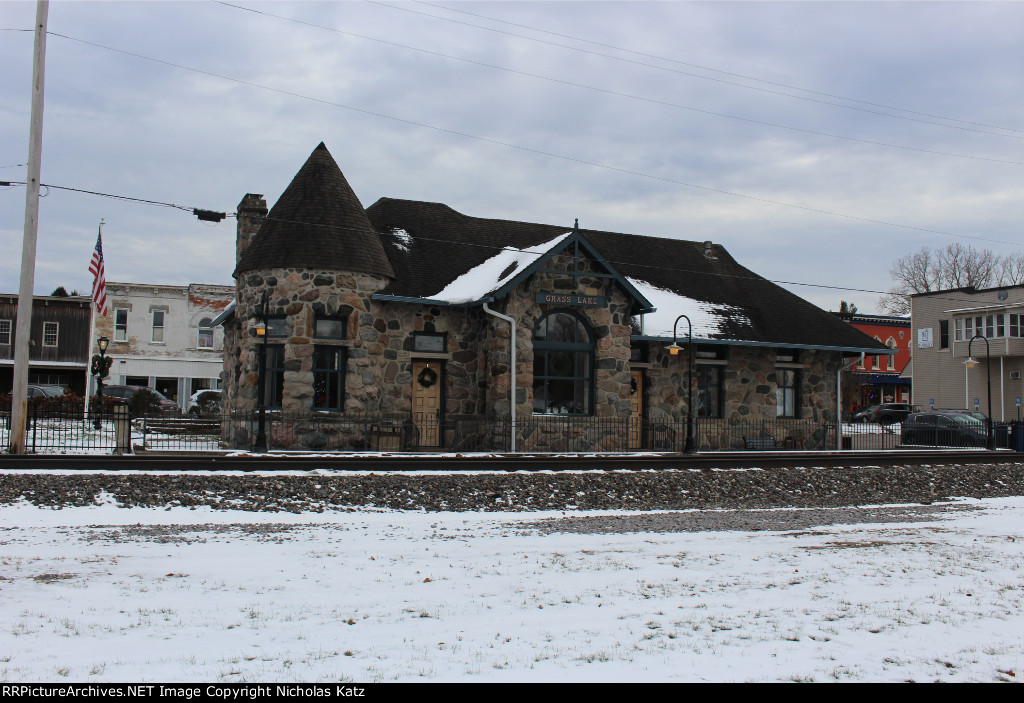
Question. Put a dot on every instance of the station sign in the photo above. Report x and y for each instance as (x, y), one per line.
(588, 301)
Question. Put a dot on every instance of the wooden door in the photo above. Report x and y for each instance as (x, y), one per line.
(636, 415)
(426, 402)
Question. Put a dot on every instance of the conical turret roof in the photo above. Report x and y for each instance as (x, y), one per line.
(317, 223)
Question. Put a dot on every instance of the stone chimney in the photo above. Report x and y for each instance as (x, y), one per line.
(251, 212)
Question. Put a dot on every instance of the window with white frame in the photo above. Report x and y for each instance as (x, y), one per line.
(158, 325)
(205, 333)
(5, 331)
(890, 363)
(994, 326)
(121, 325)
(50, 330)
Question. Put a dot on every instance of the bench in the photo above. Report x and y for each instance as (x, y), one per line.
(763, 443)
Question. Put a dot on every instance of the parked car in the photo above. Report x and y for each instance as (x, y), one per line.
(862, 415)
(203, 403)
(888, 413)
(973, 413)
(45, 391)
(944, 428)
(122, 395)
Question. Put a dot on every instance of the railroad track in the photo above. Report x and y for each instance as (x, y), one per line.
(209, 461)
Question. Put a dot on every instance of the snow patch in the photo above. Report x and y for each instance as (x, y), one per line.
(402, 239)
(493, 273)
(708, 319)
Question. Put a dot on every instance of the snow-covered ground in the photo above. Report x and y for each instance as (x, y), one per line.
(112, 594)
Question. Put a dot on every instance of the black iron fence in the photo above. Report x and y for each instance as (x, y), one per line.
(53, 428)
(331, 432)
(71, 429)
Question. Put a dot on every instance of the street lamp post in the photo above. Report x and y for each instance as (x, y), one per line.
(674, 350)
(261, 332)
(971, 363)
(100, 369)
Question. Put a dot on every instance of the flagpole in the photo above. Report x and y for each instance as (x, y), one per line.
(92, 336)
(26, 289)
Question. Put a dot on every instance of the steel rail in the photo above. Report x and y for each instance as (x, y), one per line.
(11, 463)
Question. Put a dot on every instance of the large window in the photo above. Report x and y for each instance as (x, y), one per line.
(890, 361)
(50, 330)
(121, 325)
(709, 391)
(274, 389)
(158, 326)
(329, 378)
(786, 392)
(205, 340)
(991, 326)
(563, 365)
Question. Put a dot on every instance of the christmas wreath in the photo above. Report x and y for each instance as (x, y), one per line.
(427, 377)
(633, 386)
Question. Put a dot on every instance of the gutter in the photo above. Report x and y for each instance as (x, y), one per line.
(839, 397)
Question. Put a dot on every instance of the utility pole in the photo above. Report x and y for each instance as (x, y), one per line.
(19, 394)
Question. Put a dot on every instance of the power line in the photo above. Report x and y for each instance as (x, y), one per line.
(209, 215)
(540, 152)
(198, 212)
(705, 68)
(616, 93)
(697, 75)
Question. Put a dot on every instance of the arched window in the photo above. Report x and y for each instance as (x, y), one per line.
(890, 363)
(206, 333)
(563, 365)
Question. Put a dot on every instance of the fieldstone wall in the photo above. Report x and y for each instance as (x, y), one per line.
(750, 380)
(379, 342)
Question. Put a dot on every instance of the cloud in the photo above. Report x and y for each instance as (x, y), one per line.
(120, 124)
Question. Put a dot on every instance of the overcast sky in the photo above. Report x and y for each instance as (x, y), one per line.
(634, 101)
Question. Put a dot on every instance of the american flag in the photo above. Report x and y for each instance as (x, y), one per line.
(99, 281)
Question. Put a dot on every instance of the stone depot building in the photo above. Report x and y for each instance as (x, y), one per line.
(404, 312)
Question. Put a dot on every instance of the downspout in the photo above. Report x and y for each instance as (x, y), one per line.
(839, 397)
(512, 394)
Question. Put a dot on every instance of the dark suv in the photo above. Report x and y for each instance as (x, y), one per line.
(944, 428)
(888, 413)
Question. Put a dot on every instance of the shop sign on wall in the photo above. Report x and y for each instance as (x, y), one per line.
(572, 299)
(924, 338)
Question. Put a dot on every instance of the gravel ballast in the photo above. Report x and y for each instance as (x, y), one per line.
(524, 491)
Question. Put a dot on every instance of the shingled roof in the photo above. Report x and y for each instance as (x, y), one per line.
(317, 223)
(430, 245)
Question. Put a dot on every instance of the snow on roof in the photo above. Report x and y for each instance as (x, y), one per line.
(402, 239)
(706, 318)
(493, 273)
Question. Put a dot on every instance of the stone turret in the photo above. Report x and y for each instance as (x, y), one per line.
(315, 259)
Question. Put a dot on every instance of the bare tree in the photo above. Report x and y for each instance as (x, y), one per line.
(1011, 270)
(953, 266)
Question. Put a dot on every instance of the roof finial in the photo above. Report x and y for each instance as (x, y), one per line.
(576, 227)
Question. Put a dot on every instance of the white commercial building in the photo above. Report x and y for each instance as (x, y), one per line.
(162, 336)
